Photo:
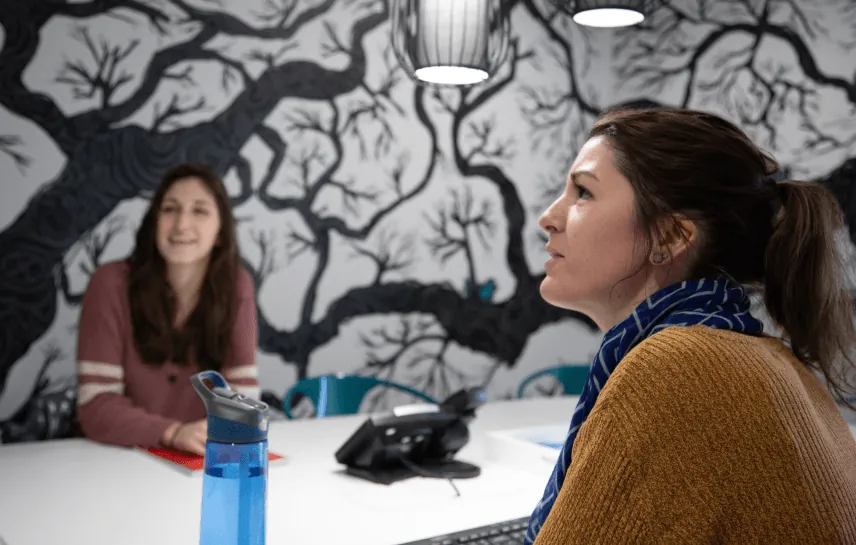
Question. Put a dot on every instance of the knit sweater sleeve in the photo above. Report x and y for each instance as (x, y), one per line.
(639, 463)
(605, 498)
(105, 412)
(703, 436)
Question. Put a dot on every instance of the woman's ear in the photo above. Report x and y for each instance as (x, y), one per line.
(675, 237)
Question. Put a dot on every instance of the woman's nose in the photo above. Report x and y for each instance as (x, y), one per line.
(182, 221)
(548, 220)
(547, 226)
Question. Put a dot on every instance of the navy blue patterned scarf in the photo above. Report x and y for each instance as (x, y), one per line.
(714, 302)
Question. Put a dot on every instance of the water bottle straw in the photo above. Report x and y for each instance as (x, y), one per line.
(244, 508)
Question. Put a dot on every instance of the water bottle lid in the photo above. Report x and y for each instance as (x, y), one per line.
(232, 417)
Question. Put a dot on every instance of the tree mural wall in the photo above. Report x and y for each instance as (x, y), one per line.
(784, 70)
(390, 229)
(349, 144)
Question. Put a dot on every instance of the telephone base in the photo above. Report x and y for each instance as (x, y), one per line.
(441, 469)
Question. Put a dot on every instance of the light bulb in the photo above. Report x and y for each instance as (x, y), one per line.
(608, 17)
(451, 75)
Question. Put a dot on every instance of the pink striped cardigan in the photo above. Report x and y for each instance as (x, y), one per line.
(123, 401)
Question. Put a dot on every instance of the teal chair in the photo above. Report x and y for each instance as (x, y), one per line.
(341, 394)
(572, 378)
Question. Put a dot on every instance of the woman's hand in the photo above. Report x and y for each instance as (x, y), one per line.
(188, 436)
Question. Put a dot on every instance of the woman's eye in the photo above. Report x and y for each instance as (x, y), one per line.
(201, 212)
(582, 192)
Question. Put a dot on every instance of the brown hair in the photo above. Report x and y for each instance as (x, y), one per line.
(205, 336)
(775, 237)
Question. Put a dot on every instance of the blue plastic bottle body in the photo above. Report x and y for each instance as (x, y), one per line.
(234, 491)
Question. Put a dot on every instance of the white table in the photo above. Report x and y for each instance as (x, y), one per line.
(75, 492)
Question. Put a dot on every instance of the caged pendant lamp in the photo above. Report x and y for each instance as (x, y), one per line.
(450, 42)
(608, 13)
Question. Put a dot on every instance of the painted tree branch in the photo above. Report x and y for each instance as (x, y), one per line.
(233, 26)
(45, 415)
(485, 147)
(9, 145)
(675, 44)
(245, 178)
(94, 121)
(462, 214)
(157, 18)
(391, 253)
(417, 348)
(105, 79)
(107, 164)
(512, 207)
(20, 47)
(110, 165)
(268, 263)
(69, 134)
(165, 117)
(553, 116)
(320, 224)
(338, 225)
(500, 330)
(213, 23)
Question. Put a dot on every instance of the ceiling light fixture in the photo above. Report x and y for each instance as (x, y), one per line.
(608, 13)
(450, 42)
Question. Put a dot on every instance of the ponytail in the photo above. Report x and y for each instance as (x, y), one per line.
(806, 288)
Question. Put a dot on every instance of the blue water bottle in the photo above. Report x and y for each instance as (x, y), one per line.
(234, 489)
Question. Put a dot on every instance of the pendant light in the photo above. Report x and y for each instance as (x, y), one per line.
(608, 13)
(450, 42)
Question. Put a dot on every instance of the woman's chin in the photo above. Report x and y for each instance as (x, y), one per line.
(555, 293)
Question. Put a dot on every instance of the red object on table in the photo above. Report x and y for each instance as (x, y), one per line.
(191, 462)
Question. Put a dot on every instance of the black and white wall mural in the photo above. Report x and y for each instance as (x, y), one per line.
(785, 71)
(390, 229)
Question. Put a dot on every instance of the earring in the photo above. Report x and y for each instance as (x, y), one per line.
(658, 258)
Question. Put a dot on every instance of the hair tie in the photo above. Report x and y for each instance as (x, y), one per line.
(774, 178)
(770, 180)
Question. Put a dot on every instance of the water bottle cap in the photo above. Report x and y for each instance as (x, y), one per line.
(232, 417)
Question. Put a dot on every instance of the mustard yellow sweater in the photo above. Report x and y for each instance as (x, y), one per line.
(709, 436)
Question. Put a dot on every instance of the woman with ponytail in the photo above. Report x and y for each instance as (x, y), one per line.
(696, 426)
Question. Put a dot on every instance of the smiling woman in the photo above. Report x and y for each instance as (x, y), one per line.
(178, 305)
(188, 224)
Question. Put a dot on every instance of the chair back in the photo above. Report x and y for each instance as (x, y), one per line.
(572, 378)
(341, 394)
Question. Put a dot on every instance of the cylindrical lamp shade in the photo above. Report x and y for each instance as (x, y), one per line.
(450, 42)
